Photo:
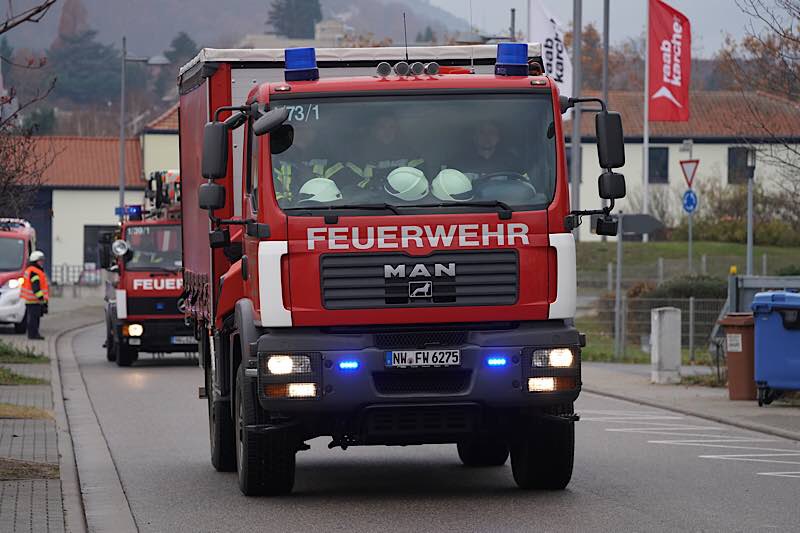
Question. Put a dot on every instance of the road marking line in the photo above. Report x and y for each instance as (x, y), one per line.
(630, 418)
(709, 441)
(755, 458)
(668, 428)
(780, 474)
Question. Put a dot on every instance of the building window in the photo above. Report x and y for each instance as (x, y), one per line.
(91, 234)
(737, 165)
(659, 164)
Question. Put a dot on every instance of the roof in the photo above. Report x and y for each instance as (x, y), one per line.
(166, 122)
(712, 114)
(348, 55)
(89, 162)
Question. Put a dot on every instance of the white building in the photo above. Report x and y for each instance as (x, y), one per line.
(722, 126)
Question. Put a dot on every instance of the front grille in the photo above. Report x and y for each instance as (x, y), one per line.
(420, 339)
(424, 420)
(431, 381)
(358, 281)
(153, 306)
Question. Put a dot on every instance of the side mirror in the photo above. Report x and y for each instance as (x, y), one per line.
(219, 238)
(271, 120)
(211, 196)
(215, 150)
(610, 140)
(606, 225)
(611, 185)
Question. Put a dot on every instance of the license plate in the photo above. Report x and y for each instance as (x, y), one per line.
(423, 358)
(183, 339)
(134, 341)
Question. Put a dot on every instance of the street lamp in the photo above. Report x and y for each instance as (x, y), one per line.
(156, 61)
(751, 170)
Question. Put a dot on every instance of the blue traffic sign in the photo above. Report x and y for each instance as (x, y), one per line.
(689, 201)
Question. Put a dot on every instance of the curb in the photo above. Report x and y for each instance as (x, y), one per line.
(72, 504)
(775, 432)
(105, 505)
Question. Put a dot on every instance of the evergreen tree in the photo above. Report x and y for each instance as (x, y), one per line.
(181, 50)
(87, 71)
(429, 36)
(294, 18)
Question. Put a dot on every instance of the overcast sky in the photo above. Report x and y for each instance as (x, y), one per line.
(711, 20)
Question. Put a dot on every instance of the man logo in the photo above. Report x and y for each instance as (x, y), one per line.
(420, 289)
(419, 270)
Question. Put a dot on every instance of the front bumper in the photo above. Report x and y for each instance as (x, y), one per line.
(12, 307)
(159, 336)
(473, 384)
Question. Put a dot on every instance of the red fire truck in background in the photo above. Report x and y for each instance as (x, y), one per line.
(17, 241)
(390, 258)
(144, 306)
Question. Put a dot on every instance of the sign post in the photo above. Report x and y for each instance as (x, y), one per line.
(689, 167)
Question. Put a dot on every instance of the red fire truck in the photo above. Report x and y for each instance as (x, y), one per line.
(144, 305)
(17, 241)
(377, 248)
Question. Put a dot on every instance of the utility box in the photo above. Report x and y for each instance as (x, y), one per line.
(665, 345)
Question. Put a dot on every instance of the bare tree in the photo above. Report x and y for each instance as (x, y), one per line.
(768, 60)
(23, 160)
(32, 14)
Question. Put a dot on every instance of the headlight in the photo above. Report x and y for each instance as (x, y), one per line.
(132, 330)
(15, 283)
(555, 357)
(281, 365)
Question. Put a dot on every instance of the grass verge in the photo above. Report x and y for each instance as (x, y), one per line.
(7, 377)
(11, 469)
(10, 410)
(709, 380)
(10, 354)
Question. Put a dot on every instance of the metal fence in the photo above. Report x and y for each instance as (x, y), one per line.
(596, 318)
(662, 269)
(83, 275)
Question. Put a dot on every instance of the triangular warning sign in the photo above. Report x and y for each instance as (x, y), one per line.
(689, 167)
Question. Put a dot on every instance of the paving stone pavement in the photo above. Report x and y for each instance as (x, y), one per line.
(35, 505)
(29, 440)
(31, 506)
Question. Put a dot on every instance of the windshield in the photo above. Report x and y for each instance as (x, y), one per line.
(154, 247)
(421, 151)
(12, 254)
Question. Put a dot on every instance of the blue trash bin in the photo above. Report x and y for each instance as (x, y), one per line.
(777, 343)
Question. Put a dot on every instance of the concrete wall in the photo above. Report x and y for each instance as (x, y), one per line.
(74, 209)
(160, 152)
(713, 169)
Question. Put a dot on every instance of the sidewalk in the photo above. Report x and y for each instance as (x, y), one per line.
(38, 486)
(632, 382)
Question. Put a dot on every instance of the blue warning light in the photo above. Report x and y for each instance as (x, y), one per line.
(497, 360)
(512, 59)
(301, 64)
(348, 365)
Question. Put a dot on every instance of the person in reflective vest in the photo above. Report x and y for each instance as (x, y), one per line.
(35, 292)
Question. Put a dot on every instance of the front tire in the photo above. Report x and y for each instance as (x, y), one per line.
(543, 457)
(265, 462)
(125, 355)
(482, 452)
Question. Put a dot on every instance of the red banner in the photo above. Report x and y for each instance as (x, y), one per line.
(670, 63)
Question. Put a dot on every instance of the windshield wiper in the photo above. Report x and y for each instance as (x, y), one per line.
(504, 211)
(385, 207)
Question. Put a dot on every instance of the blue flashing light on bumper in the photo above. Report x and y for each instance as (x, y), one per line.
(348, 365)
(497, 361)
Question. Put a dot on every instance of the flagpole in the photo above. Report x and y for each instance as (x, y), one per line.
(575, 140)
(530, 37)
(645, 118)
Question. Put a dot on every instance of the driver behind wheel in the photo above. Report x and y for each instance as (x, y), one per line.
(487, 154)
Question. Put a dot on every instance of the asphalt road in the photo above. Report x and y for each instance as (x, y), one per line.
(636, 468)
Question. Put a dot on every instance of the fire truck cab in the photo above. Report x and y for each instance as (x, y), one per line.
(17, 241)
(144, 305)
(378, 249)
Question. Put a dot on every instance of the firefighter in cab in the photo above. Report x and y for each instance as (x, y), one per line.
(35, 292)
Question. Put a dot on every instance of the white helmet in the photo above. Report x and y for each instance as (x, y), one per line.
(36, 255)
(406, 183)
(452, 186)
(319, 190)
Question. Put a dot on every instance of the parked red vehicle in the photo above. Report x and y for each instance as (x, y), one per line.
(144, 305)
(390, 258)
(17, 241)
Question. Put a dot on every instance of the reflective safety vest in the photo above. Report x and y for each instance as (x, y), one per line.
(34, 286)
(367, 172)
